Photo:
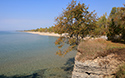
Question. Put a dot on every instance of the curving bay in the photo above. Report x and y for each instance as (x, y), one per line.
(23, 53)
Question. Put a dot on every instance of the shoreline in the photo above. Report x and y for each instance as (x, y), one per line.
(45, 34)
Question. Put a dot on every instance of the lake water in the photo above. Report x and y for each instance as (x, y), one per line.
(24, 53)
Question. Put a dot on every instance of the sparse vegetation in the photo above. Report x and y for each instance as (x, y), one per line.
(91, 49)
(121, 72)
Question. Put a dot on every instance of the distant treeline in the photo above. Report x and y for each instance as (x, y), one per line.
(50, 29)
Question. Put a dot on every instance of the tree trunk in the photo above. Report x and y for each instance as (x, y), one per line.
(77, 40)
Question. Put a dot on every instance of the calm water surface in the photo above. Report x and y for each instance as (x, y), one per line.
(23, 53)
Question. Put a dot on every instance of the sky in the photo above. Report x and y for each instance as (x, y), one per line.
(32, 14)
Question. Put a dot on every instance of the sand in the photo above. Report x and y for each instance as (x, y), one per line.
(45, 34)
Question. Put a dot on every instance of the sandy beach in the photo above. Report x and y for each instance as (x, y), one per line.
(45, 33)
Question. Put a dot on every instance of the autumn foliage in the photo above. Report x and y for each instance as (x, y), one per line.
(77, 21)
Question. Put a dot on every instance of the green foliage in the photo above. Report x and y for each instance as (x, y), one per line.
(50, 29)
(117, 24)
(101, 25)
(77, 21)
(113, 11)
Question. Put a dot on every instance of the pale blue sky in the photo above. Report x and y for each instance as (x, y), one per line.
(32, 14)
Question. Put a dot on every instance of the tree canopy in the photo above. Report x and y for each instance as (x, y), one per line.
(77, 21)
(102, 26)
(117, 24)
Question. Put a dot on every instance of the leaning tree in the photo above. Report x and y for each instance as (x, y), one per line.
(77, 22)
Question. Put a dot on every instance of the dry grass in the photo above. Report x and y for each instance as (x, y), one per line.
(121, 72)
(91, 49)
